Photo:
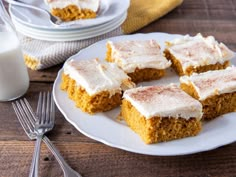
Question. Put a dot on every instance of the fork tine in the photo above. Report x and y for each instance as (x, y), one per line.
(24, 115)
(29, 112)
(52, 110)
(39, 107)
(44, 102)
(43, 107)
(21, 120)
(48, 108)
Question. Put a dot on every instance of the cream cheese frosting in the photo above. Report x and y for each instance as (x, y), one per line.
(212, 82)
(130, 55)
(199, 51)
(164, 101)
(81, 4)
(96, 76)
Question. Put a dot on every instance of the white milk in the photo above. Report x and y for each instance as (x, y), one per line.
(14, 79)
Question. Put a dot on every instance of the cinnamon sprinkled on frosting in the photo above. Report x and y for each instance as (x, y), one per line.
(130, 55)
(199, 51)
(96, 76)
(212, 82)
(164, 101)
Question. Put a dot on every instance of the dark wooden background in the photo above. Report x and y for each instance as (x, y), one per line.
(94, 159)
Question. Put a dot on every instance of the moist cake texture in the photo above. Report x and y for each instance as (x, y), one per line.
(197, 54)
(69, 10)
(94, 85)
(216, 90)
(141, 60)
(161, 113)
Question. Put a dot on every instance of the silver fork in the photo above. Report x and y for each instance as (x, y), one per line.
(54, 20)
(27, 119)
(45, 122)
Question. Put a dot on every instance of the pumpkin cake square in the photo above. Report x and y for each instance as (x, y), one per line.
(141, 60)
(216, 90)
(197, 54)
(69, 10)
(94, 85)
(161, 113)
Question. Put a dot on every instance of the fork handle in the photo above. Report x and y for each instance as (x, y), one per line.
(35, 162)
(67, 170)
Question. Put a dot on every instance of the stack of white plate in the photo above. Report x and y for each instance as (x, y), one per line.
(36, 24)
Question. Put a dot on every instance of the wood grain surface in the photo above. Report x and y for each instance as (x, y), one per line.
(94, 159)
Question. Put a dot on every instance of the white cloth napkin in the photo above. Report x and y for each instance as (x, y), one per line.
(40, 54)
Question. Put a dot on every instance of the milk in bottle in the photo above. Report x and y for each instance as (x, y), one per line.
(14, 79)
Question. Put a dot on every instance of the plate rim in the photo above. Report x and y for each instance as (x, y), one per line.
(111, 144)
(83, 31)
(66, 28)
(72, 37)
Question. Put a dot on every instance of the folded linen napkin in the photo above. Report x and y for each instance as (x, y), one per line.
(40, 54)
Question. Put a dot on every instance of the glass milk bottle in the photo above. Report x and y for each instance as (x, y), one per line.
(14, 79)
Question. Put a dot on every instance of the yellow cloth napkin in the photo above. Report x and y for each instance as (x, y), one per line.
(143, 12)
(43, 54)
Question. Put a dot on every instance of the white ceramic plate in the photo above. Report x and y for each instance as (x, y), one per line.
(68, 36)
(69, 32)
(105, 127)
(109, 10)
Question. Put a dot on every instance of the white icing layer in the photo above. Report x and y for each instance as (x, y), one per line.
(212, 82)
(199, 51)
(130, 55)
(81, 4)
(164, 101)
(96, 76)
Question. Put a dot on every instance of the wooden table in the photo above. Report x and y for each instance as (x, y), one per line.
(92, 158)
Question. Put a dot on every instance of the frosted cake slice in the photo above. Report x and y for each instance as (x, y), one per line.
(141, 60)
(197, 54)
(69, 10)
(161, 113)
(94, 85)
(216, 90)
